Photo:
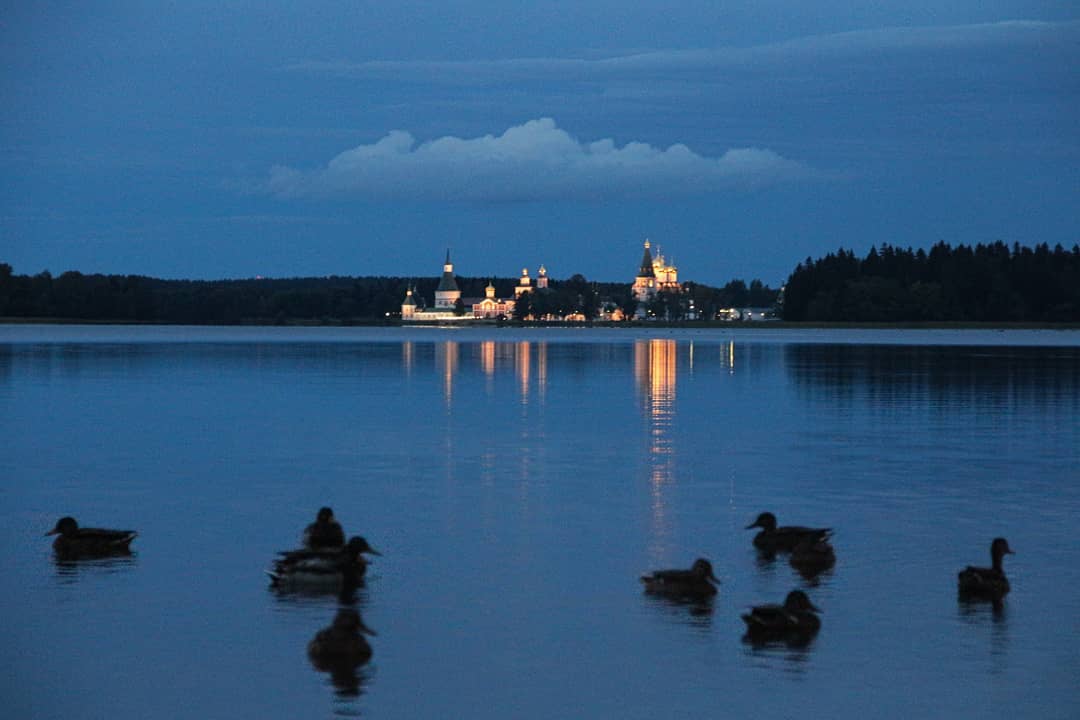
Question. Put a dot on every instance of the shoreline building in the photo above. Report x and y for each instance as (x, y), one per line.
(448, 295)
(655, 275)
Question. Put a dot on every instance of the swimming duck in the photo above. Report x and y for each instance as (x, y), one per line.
(325, 532)
(783, 539)
(794, 620)
(74, 542)
(812, 556)
(695, 583)
(987, 583)
(322, 568)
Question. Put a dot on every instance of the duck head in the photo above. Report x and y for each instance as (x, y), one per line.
(999, 549)
(64, 526)
(325, 515)
(703, 568)
(797, 600)
(357, 545)
(765, 521)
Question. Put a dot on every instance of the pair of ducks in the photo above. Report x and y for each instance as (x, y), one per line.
(793, 621)
(325, 560)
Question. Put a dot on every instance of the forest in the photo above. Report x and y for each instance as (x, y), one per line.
(74, 296)
(985, 283)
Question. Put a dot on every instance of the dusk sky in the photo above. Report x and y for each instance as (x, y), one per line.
(228, 140)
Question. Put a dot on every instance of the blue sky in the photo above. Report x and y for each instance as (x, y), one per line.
(236, 139)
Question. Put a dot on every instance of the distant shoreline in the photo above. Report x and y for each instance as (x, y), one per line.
(697, 324)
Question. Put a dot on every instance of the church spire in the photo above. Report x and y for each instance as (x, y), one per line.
(646, 269)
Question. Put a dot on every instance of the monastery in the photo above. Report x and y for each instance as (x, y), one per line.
(654, 275)
(448, 293)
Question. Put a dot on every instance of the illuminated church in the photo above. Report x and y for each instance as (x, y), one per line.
(447, 295)
(655, 275)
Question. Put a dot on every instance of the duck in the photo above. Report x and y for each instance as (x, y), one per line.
(986, 583)
(342, 642)
(795, 620)
(783, 539)
(343, 567)
(325, 532)
(74, 542)
(695, 583)
(812, 556)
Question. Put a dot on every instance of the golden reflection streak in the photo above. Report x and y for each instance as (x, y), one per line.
(656, 368)
(450, 364)
(521, 364)
(408, 353)
(541, 370)
(487, 357)
(731, 357)
(487, 364)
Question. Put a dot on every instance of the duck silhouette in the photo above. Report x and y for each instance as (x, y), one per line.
(74, 542)
(326, 569)
(986, 583)
(794, 622)
(784, 538)
(693, 584)
(812, 556)
(325, 532)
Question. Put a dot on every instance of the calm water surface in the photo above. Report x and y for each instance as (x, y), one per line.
(517, 483)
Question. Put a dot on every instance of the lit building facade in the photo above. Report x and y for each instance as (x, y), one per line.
(447, 295)
(654, 275)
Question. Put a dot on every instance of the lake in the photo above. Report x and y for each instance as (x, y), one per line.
(517, 483)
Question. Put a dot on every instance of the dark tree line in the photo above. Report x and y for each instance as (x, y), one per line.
(134, 298)
(985, 283)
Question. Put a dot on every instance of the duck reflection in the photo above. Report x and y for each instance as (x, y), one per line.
(68, 571)
(341, 650)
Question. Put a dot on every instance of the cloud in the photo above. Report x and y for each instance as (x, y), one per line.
(813, 49)
(533, 161)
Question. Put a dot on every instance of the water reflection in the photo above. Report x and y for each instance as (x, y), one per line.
(449, 362)
(408, 356)
(793, 657)
(348, 594)
(695, 612)
(656, 369)
(69, 571)
(341, 650)
(521, 370)
(992, 614)
(1003, 377)
(487, 359)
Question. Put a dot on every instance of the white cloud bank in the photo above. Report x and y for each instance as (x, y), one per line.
(533, 161)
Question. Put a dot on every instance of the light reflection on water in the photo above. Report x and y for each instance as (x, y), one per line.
(518, 484)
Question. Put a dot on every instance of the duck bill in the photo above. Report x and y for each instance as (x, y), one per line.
(373, 551)
(752, 525)
(713, 578)
(54, 531)
(368, 631)
(815, 608)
